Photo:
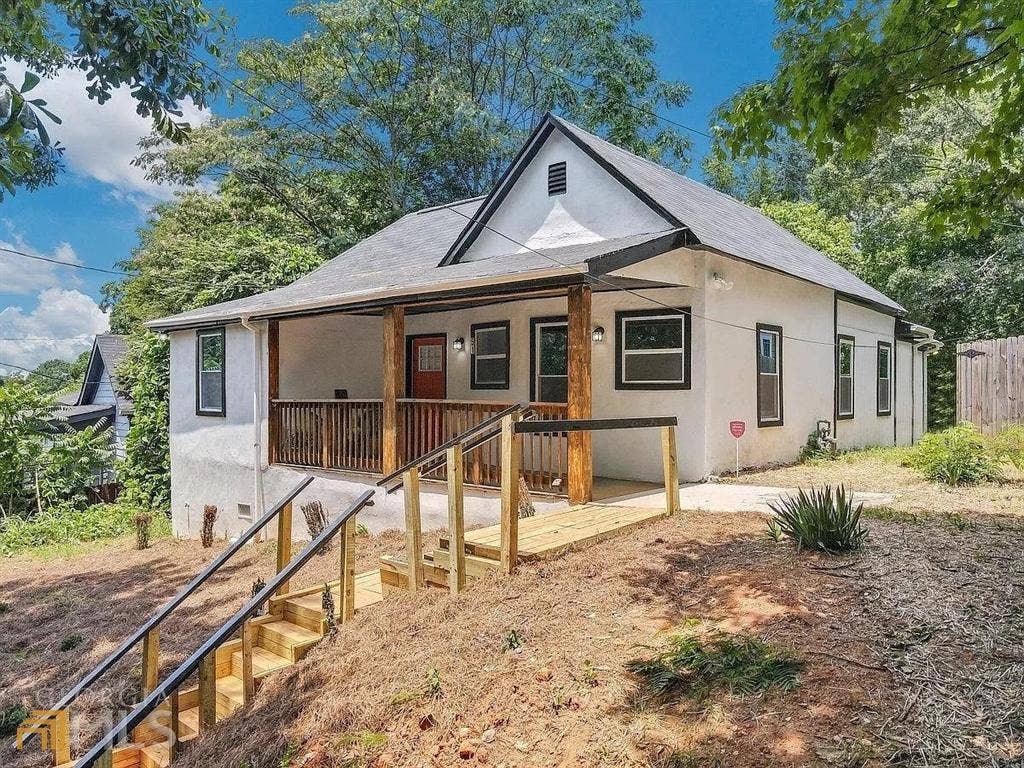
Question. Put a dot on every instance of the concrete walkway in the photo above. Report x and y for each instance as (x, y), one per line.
(727, 497)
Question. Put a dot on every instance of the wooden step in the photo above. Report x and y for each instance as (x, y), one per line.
(394, 573)
(476, 567)
(263, 662)
(155, 756)
(188, 723)
(286, 639)
(124, 756)
(229, 695)
(307, 610)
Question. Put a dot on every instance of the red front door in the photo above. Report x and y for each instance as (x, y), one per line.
(427, 367)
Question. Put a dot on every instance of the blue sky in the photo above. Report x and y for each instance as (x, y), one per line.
(91, 217)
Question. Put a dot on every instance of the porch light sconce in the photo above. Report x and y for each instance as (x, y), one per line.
(597, 334)
(459, 344)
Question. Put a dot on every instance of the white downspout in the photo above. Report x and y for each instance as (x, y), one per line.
(257, 416)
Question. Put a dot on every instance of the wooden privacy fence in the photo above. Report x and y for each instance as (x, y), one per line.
(990, 383)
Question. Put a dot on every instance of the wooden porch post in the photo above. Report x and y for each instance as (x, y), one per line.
(273, 387)
(581, 461)
(394, 383)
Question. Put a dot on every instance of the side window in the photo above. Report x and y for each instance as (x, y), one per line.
(652, 350)
(489, 363)
(769, 375)
(845, 374)
(210, 372)
(884, 379)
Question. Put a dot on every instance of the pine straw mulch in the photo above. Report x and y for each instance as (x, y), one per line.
(103, 594)
(912, 650)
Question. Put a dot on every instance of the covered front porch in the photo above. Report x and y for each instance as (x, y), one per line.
(368, 391)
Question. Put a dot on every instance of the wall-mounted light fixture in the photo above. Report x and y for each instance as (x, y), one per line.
(720, 283)
(597, 334)
(459, 344)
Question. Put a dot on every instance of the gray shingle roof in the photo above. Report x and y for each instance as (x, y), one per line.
(404, 257)
(110, 349)
(726, 224)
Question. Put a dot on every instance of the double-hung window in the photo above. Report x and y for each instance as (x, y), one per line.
(652, 349)
(844, 374)
(210, 372)
(489, 364)
(769, 375)
(884, 379)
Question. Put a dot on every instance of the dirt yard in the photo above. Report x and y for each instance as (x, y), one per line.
(911, 650)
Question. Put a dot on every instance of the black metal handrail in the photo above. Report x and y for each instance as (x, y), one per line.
(179, 598)
(437, 454)
(226, 630)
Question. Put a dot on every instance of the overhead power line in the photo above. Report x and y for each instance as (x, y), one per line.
(71, 264)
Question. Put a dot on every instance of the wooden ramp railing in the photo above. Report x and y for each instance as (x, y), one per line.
(513, 428)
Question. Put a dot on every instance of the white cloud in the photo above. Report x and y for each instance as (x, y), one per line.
(102, 140)
(61, 325)
(21, 275)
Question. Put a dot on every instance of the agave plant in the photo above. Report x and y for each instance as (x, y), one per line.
(824, 519)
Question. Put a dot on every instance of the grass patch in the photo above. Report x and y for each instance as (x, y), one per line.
(694, 664)
(892, 515)
(61, 530)
(71, 642)
(10, 718)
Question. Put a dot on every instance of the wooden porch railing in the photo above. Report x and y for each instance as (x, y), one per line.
(347, 434)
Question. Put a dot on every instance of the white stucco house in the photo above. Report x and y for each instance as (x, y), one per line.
(590, 281)
(100, 396)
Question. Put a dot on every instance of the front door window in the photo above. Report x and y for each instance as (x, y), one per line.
(427, 367)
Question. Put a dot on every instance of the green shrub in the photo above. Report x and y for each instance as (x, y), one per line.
(71, 642)
(64, 524)
(954, 456)
(824, 519)
(1007, 447)
(10, 718)
(694, 663)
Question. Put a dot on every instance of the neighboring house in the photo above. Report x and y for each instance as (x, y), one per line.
(100, 396)
(591, 280)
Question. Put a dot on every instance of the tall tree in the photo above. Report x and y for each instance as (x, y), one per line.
(850, 73)
(413, 102)
(146, 45)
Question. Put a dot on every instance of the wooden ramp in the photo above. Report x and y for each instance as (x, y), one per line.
(549, 534)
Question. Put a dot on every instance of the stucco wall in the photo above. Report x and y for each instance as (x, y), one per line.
(868, 327)
(327, 352)
(804, 312)
(594, 207)
(905, 394)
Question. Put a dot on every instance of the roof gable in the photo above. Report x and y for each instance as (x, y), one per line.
(108, 351)
(521, 213)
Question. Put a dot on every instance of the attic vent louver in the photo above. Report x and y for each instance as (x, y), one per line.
(556, 179)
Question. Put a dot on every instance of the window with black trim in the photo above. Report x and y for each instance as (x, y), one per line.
(769, 375)
(846, 345)
(884, 379)
(652, 349)
(210, 366)
(557, 175)
(489, 363)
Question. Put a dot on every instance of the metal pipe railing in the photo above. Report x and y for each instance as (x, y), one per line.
(176, 678)
(179, 598)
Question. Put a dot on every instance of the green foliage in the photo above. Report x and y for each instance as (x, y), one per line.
(71, 642)
(66, 524)
(814, 449)
(512, 641)
(954, 456)
(833, 236)
(10, 718)
(695, 663)
(1007, 446)
(42, 463)
(59, 375)
(822, 519)
(145, 471)
(892, 515)
(145, 45)
(433, 689)
(850, 72)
